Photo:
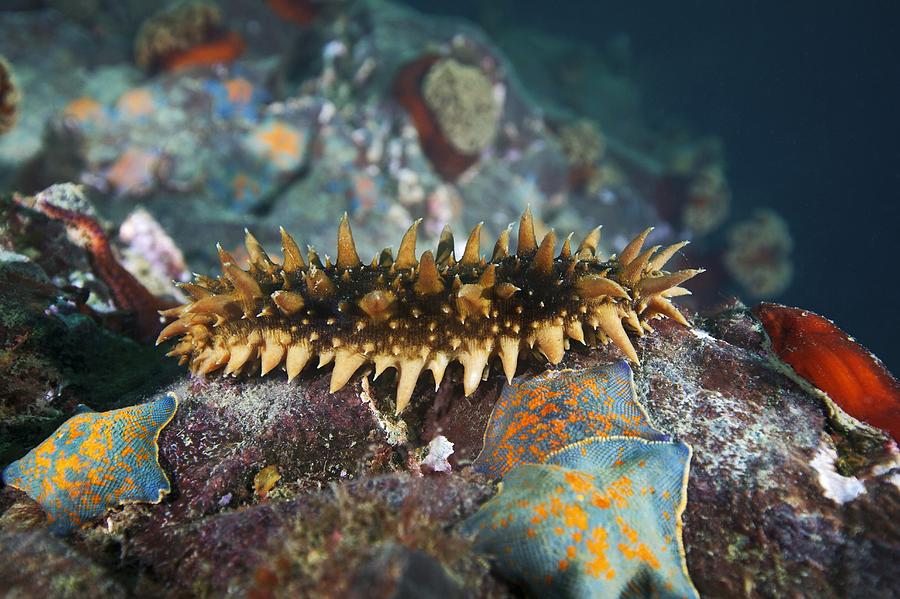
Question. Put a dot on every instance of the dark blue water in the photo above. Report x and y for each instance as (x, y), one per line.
(805, 96)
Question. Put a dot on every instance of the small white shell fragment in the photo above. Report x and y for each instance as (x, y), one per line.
(439, 449)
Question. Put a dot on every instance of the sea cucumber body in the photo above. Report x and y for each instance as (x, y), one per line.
(421, 314)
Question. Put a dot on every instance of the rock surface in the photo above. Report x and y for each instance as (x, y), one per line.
(758, 521)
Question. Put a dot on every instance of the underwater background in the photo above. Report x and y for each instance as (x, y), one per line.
(801, 96)
(408, 298)
(792, 106)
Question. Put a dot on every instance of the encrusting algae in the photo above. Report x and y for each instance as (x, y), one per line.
(421, 314)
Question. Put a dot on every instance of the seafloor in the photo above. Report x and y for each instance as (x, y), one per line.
(129, 160)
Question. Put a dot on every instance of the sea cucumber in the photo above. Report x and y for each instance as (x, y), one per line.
(421, 314)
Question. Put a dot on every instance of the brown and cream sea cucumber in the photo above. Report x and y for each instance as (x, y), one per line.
(421, 314)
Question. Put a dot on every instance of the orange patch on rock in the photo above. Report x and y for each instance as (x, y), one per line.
(280, 143)
(244, 187)
(222, 50)
(831, 360)
(240, 91)
(83, 109)
(133, 172)
(136, 102)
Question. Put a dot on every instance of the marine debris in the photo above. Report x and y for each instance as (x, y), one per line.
(94, 461)
(416, 315)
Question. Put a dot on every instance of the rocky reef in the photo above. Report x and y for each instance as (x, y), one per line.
(778, 499)
(748, 471)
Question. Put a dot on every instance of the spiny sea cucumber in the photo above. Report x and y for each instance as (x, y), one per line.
(423, 314)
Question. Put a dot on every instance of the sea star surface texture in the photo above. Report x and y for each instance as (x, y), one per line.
(94, 461)
(601, 518)
(538, 415)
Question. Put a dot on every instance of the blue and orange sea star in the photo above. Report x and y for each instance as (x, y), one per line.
(94, 461)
